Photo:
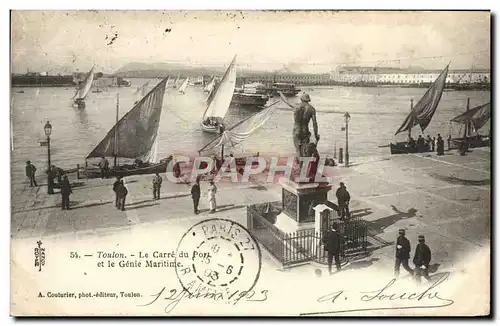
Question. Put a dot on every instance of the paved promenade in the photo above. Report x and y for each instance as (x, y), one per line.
(445, 198)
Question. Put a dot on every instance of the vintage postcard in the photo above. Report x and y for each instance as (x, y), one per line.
(250, 163)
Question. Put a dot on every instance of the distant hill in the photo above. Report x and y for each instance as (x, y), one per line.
(153, 70)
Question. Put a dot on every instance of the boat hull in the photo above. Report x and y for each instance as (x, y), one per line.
(129, 170)
(80, 104)
(209, 129)
(253, 99)
(403, 148)
(472, 142)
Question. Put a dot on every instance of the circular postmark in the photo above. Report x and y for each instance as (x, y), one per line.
(218, 255)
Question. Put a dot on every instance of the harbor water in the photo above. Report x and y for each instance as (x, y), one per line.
(376, 114)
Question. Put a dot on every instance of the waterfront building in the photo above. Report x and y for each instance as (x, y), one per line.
(409, 76)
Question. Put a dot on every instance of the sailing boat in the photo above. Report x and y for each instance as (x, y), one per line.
(219, 100)
(182, 89)
(473, 119)
(135, 137)
(168, 83)
(83, 89)
(176, 82)
(421, 114)
(240, 132)
(142, 91)
(97, 89)
(210, 86)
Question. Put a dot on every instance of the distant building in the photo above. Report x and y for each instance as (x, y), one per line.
(390, 75)
(298, 79)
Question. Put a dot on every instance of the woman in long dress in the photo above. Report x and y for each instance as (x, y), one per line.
(212, 190)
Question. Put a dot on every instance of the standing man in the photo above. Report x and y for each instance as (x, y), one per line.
(421, 259)
(115, 188)
(332, 246)
(343, 198)
(30, 173)
(195, 194)
(103, 166)
(65, 192)
(122, 192)
(428, 142)
(402, 253)
(449, 142)
(440, 145)
(212, 190)
(156, 186)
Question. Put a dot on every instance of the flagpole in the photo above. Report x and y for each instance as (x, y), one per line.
(468, 122)
(409, 126)
(116, 129)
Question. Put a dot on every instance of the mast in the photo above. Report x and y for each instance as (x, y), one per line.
(467, 125)
(411, 112)
(116, 128)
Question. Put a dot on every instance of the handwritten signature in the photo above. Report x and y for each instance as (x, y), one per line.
(416, 300)
(176, 295)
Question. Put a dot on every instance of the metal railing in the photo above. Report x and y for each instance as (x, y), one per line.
(304, 245)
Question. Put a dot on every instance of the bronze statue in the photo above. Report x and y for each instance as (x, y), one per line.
(303, 113)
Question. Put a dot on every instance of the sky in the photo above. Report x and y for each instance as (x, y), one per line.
(309, 42)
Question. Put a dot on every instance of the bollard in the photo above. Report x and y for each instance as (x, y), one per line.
(341, 155)
(78, 171)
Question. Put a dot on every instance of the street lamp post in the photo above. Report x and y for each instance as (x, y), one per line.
(50, 187)
(347, 118)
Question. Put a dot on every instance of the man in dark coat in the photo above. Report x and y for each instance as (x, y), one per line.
(104, 167)
(122, 192)
(65, 192)
(402, 253)
(157, 180)
(343, 199)
(420, 143)
(332, 246)
(440, 145)
(30, 173)
(115, 187)
(421, 259)
(195, 194)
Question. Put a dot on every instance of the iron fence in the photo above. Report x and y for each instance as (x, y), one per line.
(304, 245)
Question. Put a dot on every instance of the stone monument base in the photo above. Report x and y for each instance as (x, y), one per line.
(288, 225)
(298, 202)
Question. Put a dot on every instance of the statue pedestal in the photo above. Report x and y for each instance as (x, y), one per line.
(298, 202)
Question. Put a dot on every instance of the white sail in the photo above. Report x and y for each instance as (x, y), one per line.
(168, 82)
(176, 82)
(220, 99)
(182, 89)
(85, 86)
(241, 131)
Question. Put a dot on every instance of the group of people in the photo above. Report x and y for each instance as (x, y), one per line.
(53, 172)
(428, 144)
(421, 258)
(121, 193)
(196, 194)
